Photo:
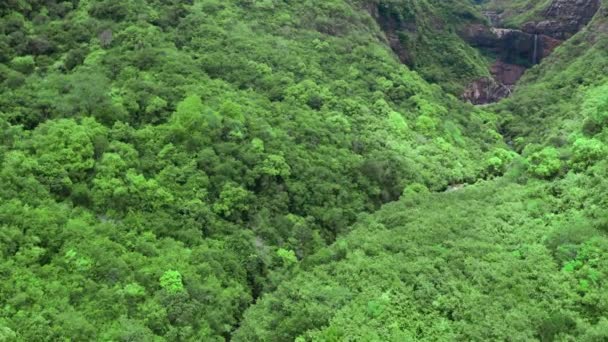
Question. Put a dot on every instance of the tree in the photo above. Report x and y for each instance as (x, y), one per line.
(595, 105)
(545, 163)
(171, 281)
(64, 151)
(587, 152)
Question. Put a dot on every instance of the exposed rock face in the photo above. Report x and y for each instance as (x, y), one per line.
(563, 18)
(511, 46)
(491, 89)
(516, 50)
(486, 90)
(391, 24)
(507, 74)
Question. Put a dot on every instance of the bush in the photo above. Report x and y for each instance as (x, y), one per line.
(586, 152)
(24, 64)
(595, 106)
(545, 163)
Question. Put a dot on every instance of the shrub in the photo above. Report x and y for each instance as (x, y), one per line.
(23, 64)
(545, 163)
(586, 152)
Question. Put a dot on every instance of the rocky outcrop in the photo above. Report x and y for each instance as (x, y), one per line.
(391, 24)
(507, 74)
(405, 29)
(491, 89)
(511, 46)
(563, 18)
(516, 51)
(493, 17)
(485, 90)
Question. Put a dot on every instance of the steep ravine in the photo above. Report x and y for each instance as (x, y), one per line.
(514, 52)
(517, 49)
(509, 48)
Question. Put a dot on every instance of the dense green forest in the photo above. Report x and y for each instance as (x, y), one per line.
(278, 170)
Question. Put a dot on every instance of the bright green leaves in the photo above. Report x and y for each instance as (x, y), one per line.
(426, 125)
(64, 151)
(24, 64)
(233, 111)
(257, 145)
(545, 163)
(192, 122)
(135, 290)
(309, 93)
(64, 143)
(376, 307)
(156, 105)
(275, 165)
(78, 262)
(7, 334)
(429, 112)
(586, 152)
(288, 257)
(397, 123)
(233, 201)
(549, 161)
(413, 193)
(189, 113)
(497, 163)
(118, 188)
(588, 270)
(171, 281)
(595, 106)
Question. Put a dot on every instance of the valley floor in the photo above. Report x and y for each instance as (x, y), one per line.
(495, 261)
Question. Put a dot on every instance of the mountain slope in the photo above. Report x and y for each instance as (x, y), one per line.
(209, 170)
(425, 35)
(497, 260)
(164, 163)
(561, 97)
(516, 258)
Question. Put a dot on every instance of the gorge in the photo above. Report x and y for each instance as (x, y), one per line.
(281, 170)
(508, 48)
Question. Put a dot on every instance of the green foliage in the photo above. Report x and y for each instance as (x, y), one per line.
(586, 152)
(595, 106)
(426, 125)
(233, 200)
(24, 64)
(167, 164)
(545, 163)
(518, 12)
(288, 257)
(500, 160)
(190, 113)
(171, 281)
(424, 271)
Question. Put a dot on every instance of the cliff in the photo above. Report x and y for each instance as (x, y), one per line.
(517, 49)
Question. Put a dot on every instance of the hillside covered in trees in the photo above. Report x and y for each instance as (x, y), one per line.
(276, 170)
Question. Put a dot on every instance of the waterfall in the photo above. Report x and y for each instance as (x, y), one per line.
(491, 16)
(535, 54)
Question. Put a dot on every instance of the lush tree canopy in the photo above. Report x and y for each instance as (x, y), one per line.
(270, 170)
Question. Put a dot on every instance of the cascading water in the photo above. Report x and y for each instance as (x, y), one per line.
(535, 53)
